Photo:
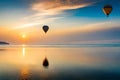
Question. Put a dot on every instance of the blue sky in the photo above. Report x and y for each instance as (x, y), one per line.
(70, 21)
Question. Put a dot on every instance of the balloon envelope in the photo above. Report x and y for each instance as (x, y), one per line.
(45, 28)
(107, 9)
(45, 62)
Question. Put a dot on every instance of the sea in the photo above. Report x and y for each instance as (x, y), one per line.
(66, 62)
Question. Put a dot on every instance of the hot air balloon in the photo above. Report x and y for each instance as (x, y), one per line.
(45, 63)
(45, 28)
(107, 9)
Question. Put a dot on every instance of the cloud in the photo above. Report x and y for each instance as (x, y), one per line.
(102, 32)
(32, 23)
(94, 33)
(56, 6)
(49, 10)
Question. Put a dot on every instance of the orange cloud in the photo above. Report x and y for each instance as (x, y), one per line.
(48, 11)
(56, 6)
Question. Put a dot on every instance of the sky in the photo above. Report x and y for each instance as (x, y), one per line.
(69, 21)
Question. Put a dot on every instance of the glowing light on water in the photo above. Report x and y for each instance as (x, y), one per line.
(23, 50)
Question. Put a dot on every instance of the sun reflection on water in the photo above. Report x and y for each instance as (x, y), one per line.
(23, 50)
(25, 75)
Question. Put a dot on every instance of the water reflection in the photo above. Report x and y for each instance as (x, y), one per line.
(65, 63)
(2, 49)
(23, 50)
(45, 63)
(25, 74)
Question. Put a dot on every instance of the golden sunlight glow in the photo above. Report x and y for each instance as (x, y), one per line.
(24, 73)
(24, 36)
(23, 51)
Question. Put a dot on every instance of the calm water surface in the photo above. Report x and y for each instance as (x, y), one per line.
(94, 62)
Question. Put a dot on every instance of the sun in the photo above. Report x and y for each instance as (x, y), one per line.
(24, 36)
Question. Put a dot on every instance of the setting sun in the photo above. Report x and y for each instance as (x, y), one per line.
(23, 36)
